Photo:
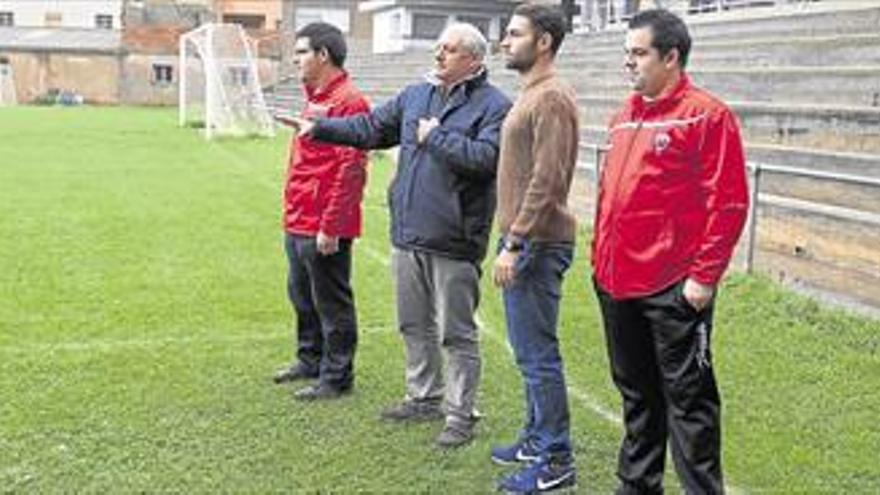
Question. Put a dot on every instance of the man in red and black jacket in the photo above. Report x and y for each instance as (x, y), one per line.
(322, 216)
(673, 200)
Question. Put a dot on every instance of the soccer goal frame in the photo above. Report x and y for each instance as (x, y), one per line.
(218, 69)
(8, 96)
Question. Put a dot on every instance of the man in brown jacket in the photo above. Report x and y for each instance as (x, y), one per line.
(539, 142)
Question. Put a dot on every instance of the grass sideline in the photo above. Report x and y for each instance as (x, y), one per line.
(142, 312)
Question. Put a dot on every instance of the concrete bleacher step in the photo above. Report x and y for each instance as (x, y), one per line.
(837, 162)
(861, 197)
(840, 128)
(805, 86)
(837, 128)
(819, 19)
(781, 50)
(818, 252)
(813, 37)
(848, 86)
(842, 162)
(839, 186)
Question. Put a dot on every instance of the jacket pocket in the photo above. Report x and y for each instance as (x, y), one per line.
(646, 236)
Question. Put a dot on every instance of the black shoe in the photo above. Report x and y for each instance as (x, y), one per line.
(454, 436)
(294, 373)
(321, 391)
(416, 411)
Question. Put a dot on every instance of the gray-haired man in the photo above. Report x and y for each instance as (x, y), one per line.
(442, 201)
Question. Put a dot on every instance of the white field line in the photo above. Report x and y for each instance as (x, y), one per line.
(581, 395)
(373, 253)
(119, 344)
(584, 397)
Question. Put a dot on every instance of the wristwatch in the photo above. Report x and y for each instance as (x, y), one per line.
(512, 244)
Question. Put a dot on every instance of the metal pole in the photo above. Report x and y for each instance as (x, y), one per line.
(181, 81)
(211, 82)
(753, 219)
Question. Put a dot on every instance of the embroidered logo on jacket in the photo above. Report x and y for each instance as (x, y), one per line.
(661, 142)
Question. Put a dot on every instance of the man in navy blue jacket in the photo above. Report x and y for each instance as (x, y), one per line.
(442, 201)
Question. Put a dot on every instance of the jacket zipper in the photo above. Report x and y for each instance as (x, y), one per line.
(612, 223)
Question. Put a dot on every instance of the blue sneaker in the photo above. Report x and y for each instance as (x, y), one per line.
(544, 475)
(521, 451)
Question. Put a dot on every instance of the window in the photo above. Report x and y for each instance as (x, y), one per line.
(503, 31)
(338, 17)
(481, 23)
(395, 25)
(104, 21)
(53, 19)
(238, 76)
(163, 74)
(7, 19)
(428, 26)
(246, 21)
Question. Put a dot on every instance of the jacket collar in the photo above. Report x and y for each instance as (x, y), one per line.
(459, 93)
(670, 99)
(468, 83)
(537, 79)
(327, 90)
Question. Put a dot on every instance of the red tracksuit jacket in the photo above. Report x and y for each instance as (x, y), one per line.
(673, 194)
(325, 182)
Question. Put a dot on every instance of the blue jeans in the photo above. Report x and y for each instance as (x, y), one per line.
(531, 307)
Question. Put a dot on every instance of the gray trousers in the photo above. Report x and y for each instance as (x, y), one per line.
(437, 299)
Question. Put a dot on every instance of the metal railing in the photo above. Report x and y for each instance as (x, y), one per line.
(756, 171)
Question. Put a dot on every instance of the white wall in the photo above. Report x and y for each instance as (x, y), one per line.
(389, 27)
(340, 18)
(392, 30)
(74, 13)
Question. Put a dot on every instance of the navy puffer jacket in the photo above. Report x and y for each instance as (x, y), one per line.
(442, 198)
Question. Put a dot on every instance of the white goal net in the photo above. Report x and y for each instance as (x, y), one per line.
(219, 83)
(7, 84)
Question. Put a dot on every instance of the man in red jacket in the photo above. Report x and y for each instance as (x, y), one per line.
(322, 215)
(673, 200)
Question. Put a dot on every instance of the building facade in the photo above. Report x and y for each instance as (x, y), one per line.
(400, 25)
(82, 14)
(263, 15)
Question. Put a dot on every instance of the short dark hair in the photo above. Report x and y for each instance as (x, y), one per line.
(545, 20)
(324, 36)
(668, 30)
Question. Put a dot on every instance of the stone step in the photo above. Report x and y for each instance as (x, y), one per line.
(818, 252)
(842, 186)
(857, 49)
(841, 162)
(826, 190)
(819, 19)
(833, 50)
(830, 127)
(851, 86)
(848, 48)
(838, 162)
(835, 128)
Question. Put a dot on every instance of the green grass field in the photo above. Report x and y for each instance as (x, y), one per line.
(142, 312)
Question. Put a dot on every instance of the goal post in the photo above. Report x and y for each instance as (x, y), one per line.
(7, 84)
(219, 84)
